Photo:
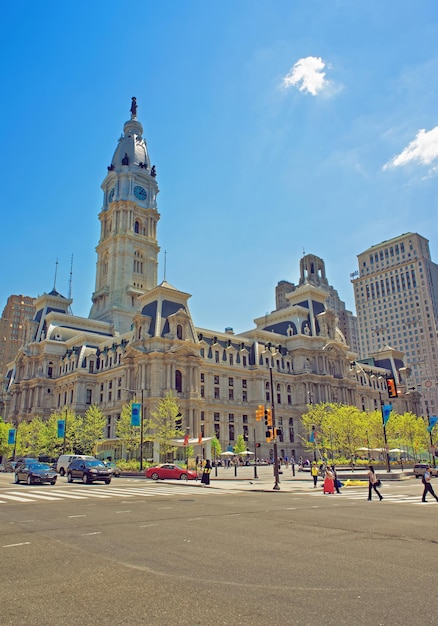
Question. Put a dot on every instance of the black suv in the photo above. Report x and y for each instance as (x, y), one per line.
(88, 471)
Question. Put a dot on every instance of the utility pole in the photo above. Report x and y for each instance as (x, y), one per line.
(276, 469)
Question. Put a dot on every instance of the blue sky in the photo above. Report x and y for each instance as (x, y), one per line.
(276, 126)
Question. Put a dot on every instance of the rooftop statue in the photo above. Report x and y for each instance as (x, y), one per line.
(133, 108)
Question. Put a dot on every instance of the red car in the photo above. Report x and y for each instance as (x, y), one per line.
(170, 470)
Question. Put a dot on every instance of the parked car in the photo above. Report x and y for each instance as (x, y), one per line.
(170, 470)
(420, 468)
(88, 470)
(32, 472)
(9, 466)
(116, 471)
(65, 460)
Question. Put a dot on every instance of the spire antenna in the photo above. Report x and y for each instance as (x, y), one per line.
(71, 278)
(56, 273)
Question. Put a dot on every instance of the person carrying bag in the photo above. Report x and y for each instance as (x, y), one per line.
(373, 483)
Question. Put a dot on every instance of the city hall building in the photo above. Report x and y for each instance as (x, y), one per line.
(140, 337)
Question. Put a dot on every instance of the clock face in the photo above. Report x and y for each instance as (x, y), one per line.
(111, 194)
(140, 193)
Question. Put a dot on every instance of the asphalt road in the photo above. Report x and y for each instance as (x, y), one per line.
(184, 555)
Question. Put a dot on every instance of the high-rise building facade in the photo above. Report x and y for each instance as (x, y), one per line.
(18, 309)
(396, 295)
(140, 339)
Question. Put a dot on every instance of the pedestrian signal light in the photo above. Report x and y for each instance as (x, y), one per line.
(269, 435)
(392, 389)
(268, 417)
(260, 411)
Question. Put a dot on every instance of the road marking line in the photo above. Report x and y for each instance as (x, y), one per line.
(38, 496)
(148, 525)
(123, 511)
(65, 494)
(13, 545)
(90, 494)
(71, 516)
(98, 532)
(15, 498)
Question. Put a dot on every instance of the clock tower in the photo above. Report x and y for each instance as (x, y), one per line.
(127, 252)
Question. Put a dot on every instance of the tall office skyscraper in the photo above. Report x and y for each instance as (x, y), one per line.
(396, 294)
(18, 309)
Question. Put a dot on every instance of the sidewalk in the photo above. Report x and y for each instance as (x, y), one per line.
(242, 478)
(245, 481)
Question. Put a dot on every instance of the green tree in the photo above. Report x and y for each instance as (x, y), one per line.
(89, 430)
(240, 445)
(216, 447)
(411, 432)
(163, 424)
(338, 427)
(30, 442)
(4, 435)
(52, 444)
(128, 434)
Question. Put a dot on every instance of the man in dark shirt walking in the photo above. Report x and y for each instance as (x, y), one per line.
(427, 486)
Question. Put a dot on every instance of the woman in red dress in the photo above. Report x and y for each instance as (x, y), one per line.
(329, 483)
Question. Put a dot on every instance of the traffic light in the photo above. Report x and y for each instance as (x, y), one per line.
(178, 421)
(392, 389)
(269, 425)
(260, 411)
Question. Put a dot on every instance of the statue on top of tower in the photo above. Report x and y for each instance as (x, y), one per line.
(133, 108)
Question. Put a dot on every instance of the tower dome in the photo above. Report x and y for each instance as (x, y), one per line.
(131, 150)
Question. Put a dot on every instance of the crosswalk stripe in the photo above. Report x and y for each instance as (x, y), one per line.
(65, 494)
(15, 498)
(32, 494)
(38, 495)
(387, 497)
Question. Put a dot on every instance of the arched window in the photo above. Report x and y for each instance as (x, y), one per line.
(50, 370)
(136, 226)
(178, 381)
(179, 331)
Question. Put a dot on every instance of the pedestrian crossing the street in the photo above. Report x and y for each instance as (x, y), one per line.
(38, 493)
(362, 494)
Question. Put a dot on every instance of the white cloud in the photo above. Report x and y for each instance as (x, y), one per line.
(423, 149)
(307, 75)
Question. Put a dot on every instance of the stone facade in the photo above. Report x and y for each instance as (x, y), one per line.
(140, 337)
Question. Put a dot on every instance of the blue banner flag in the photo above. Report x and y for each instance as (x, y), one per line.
(386, 412)
(11, 436)
(61, 428)
(432, 421)
(135, 414)
(313, 434)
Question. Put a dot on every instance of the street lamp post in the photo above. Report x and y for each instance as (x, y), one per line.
(141, 423)
(430, 434)
(65, 431)
(382, 406)
(368, 447)
(276, 469)
(255, 455)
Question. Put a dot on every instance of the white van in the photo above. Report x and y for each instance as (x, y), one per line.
(65, 460)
